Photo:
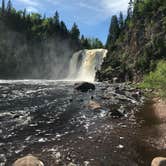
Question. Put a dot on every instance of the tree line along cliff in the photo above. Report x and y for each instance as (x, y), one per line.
(137, 43)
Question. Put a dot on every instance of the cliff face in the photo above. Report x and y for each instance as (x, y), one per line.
(140, 45)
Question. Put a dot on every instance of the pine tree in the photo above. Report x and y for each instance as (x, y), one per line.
(75, 32)
(136, 8)
(113, 32)
(85, 43)
(24, 13)
(56, 23)
(44, 16)
(9, 7)
(56, 18)
(63, 29)
(121, 21)
(130, 10)
(3, 7)
(82, 38)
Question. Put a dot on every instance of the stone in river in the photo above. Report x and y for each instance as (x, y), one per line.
(28, 161)
(159, 161)
(71, 164)
(84, 86)
(93, 105)
(116, 112)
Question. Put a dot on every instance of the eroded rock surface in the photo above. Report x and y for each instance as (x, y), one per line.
(29, 160)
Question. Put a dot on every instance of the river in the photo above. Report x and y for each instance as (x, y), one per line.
(51, 120)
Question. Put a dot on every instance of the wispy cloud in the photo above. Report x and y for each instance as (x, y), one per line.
(114, 6)
(103, 8)
(31, 6)
(89, 7)
(31, 9)
(30, 2)
(54, 2)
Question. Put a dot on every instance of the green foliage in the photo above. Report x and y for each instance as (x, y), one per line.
(130, 23)
(137, 47)
(91, 43)
(130, 10)
(141, 7)
(95, 43)
(9, 7)
(114, 32)
(30, 43)
(3, 6)
(75, 33)
(108, 70)
(121, 21)
(157, 80)
(146, 6)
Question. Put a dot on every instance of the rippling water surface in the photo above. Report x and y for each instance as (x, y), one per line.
(51, 120)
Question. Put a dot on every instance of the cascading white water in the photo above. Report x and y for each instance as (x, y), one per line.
(85, 63)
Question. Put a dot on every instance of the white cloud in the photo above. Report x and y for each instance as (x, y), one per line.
(114, 6)
(95, 11)
(89, 7)
(104, 7)
(82, 11)
(30, 2)
(54, 2)
(31, 9)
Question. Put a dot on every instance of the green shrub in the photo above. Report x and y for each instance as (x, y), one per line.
(157, 80)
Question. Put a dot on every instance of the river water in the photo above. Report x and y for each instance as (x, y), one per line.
(51, 120)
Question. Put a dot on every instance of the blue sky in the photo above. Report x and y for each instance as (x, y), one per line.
(92, 16)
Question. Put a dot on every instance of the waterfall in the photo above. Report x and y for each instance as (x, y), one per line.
(85, 63)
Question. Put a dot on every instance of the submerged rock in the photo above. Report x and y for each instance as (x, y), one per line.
(159, 161)
(116, 112)
(93, 105)
(84, 86)
(71, 164)
(28, 161)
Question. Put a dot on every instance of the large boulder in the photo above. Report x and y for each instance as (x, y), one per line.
(28, 161)
(159, 161)
(84, 86)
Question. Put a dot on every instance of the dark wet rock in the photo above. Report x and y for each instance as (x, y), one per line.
(136, 94)
(116, 111)
(84, 86)
(159, 161)
(28, 161)
(71, 100)
(120, 90)
(16, 116)
(116, 114)
(92, 97)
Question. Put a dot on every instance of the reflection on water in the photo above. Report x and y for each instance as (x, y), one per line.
(50, 120)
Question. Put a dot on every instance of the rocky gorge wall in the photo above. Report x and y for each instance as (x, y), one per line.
(141, 44)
